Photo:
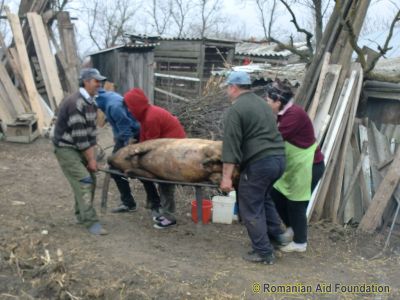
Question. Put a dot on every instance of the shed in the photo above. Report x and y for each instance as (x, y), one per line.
(128, 66)
(183, 65)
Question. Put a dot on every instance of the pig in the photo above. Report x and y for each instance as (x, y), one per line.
(183, 160)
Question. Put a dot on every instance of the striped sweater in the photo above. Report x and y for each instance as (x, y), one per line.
(76, 123)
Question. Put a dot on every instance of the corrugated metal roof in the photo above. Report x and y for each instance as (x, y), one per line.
(265, 49)
(128, 46)
(164, 38)
(293, 72)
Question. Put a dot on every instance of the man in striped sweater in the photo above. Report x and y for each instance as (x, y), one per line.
(74, 141)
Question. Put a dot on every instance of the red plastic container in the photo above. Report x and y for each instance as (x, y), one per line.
(207, 205)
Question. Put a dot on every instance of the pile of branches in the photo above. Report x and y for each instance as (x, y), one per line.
(203, 117)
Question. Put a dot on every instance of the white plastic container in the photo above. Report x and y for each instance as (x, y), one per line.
(235, 216)
(222, 209)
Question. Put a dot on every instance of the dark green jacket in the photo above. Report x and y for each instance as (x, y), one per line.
(250, 131)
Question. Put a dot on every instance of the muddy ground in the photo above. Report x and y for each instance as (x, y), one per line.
(44, 254)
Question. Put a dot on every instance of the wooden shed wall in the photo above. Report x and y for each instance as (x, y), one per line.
(127, 69)
(194, 59)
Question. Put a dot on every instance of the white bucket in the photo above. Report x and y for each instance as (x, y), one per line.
(222, 209)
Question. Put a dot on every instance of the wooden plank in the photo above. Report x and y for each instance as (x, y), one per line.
(11, 93)
(372, 218)
(327, 92)
(349, 189)
(178, 53)
(176, 77)
(330, 148)
(314, 104)
(176, 60)
(346, 141)
(68, 45)
(178, 45)
(366, 166)
(46, 59)
(183, 99)
(7, 116)
(34, 97)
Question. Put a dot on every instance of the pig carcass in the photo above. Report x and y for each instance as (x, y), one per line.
(184, 160)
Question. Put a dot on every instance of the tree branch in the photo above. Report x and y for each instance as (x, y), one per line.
(367, 67)
(308, 34)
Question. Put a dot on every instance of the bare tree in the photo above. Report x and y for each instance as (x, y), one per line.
(267, 15)
(180, 13)
(107, 21)
(318, 9)
(210, 16)
(160, 12)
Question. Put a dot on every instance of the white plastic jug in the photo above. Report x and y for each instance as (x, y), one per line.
(222, 209)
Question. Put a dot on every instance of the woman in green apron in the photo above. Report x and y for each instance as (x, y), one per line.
(304, 164)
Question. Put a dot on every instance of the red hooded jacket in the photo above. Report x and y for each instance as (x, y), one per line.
(155, 122)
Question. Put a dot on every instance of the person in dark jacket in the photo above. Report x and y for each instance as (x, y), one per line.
(252, 141)
(74, 142)
(304, 164)
(155, 123)
(125, 129)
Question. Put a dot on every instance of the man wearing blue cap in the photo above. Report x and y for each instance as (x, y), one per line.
(252, 141)
(74, 141)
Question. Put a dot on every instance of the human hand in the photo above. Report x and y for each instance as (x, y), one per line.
(92, 165)
(226, 185)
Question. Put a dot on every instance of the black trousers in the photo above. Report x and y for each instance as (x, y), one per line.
(122, 182)
(293, 213)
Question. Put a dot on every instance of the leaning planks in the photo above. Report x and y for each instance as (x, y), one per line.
(10, 94)
(331, 146)
(355, 96)
(47, 61)
(328, 87)
(372, 218)
(26, 71)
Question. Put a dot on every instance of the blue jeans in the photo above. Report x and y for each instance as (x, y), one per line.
(256, 208)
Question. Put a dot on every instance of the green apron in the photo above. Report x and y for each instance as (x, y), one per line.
(295, 183)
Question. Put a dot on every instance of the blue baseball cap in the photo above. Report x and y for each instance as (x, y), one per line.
(238, 78)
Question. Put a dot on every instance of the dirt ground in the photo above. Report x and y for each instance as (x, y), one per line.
(44, 254)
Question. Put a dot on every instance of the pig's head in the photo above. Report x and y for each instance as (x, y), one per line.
(121, 159)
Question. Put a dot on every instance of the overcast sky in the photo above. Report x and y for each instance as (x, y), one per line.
(242, 16)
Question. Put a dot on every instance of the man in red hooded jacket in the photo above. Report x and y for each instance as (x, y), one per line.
(155, 123)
